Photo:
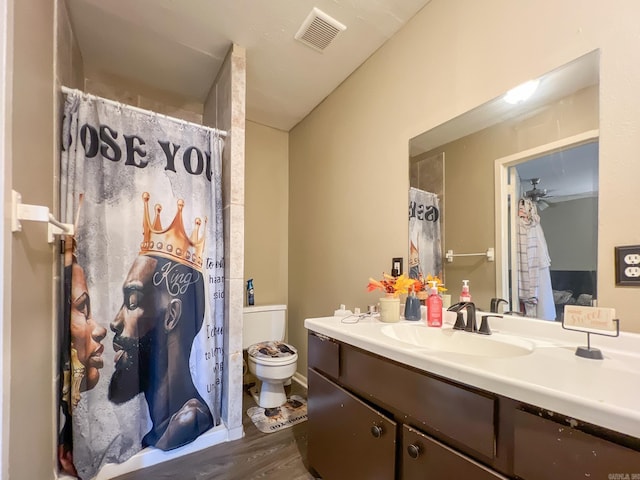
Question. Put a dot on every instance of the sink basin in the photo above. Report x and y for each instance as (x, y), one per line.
(457, 341)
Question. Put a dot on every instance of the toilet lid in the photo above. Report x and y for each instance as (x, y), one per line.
(271, 350)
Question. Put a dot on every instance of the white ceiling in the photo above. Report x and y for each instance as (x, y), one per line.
(565, 175)
(179, 45)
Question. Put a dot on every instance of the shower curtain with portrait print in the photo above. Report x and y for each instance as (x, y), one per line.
(141, 332)
(425, 246)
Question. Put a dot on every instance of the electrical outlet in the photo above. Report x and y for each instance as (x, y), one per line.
(632, 259)
(628, 265)
(632, 272)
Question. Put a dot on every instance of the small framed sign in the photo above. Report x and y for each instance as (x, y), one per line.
(591, 320)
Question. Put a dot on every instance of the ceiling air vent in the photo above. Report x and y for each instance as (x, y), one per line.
(318, 30)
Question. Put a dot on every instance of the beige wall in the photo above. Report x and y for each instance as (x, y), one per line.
(32, 430)
(69, 66)
(267, 213)
(348, 172)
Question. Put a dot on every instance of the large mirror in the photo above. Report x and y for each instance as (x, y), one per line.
(507, 174)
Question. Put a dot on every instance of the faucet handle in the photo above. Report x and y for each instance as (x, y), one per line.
(484, 324)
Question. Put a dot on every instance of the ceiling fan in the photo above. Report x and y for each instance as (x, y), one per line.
(537, 194)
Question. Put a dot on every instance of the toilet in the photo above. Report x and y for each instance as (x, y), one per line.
(272, 361)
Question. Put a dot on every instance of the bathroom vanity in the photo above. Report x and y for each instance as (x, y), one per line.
(405, 401)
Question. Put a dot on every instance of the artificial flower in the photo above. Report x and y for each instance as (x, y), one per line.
(392, 285)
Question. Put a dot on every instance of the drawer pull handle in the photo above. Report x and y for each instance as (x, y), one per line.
(413, 450)
(376, 431)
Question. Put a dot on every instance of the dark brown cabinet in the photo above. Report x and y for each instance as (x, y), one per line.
(374, 418)
(355, 402)
(426, 458)
(348, 439)
(545, 449)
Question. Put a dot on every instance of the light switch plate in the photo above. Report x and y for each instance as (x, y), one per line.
(628, 265)
(396, 266)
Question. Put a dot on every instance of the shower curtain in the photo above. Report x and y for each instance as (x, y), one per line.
(425, 249)
(141, 333)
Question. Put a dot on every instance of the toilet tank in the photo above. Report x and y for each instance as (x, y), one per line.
(262, 323)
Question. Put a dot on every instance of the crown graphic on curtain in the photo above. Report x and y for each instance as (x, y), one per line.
(172, 242)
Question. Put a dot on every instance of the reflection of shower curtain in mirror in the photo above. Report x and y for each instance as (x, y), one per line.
(142, 348)
(534, 278)
(425, 250)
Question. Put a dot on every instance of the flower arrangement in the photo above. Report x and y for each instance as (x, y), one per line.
(394, 286)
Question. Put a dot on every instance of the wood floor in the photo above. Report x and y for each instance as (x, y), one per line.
(280, 455)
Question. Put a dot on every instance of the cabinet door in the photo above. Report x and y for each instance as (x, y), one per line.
(425, 458)
(544, 449)
(347, 438)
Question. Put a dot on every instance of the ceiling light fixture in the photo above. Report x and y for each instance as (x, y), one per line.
(522, 92)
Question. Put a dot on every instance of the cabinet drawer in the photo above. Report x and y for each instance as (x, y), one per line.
(544, 449)
(324, 355)
(423, 457)
(459, 413)
(347, 438)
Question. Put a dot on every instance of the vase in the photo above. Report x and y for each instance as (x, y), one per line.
(389, 309)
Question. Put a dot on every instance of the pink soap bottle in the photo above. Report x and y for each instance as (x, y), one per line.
(465, 295)
(434, 306)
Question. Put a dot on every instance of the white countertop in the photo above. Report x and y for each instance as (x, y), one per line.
(602, 392)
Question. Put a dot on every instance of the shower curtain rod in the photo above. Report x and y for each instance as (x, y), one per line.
(222, 133)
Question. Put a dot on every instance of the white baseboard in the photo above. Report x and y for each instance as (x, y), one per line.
(235, 433)
(300, 379)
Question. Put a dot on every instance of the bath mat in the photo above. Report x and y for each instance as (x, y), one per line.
(269, 420)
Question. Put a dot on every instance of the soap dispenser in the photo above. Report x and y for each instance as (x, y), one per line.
(465, 295)
(412, 306)
(434, 306)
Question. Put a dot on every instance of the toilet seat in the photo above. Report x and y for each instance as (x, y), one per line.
(273, 363)
(272, 353)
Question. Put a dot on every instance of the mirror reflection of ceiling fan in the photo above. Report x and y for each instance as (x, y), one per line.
(538, 195)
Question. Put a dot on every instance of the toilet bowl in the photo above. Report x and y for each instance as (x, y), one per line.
(272, 361)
